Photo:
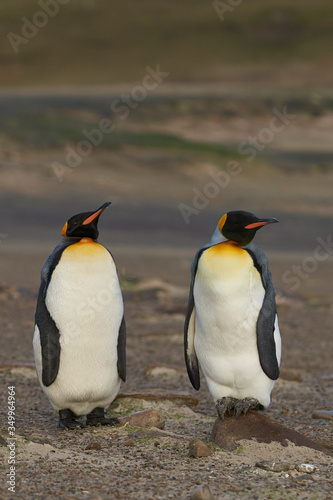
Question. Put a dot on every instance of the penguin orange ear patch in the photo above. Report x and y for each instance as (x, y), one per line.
(64, 230)
(222, 222)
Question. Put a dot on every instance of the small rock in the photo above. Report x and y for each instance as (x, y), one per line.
(145, 418)
(129, 442)
(93, 446)
(307, 468)
(328, 378)
(199, 449)
(325, 414)
(202, 492)
(275, 466)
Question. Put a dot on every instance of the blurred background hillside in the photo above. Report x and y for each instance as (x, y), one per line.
(102, 42)
(148, 104)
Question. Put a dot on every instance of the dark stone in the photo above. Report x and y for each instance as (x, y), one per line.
(256, 426)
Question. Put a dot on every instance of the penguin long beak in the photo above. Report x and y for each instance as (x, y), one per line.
(261, 222)
(96, 214)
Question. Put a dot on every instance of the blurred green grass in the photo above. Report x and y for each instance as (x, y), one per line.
(52, 129)
(108, 41)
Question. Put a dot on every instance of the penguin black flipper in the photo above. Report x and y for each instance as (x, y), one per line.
(48, 330)
(191, 360)
(267, 316)
(121, 351)
(121, 346)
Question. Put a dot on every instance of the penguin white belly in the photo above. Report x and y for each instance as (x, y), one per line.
(228, 296)
(85, 301)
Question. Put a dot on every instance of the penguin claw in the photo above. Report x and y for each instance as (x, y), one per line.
(67, 420)
(246, 404)
(97, 417)
(229, 405)
(225, 406)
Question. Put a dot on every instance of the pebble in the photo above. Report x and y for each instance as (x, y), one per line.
(325, 414)
(202, 492)
(93, 446)
(145, 418)
(199, 449)
(129, 442)
(307, 468)
(275, 466)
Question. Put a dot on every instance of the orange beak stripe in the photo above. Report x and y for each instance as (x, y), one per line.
(92, 217)
(255, 224)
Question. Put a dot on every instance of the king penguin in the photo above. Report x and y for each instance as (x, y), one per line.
(231, 327)
(80, 335)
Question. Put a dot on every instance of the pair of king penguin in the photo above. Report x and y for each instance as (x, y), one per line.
(231, 326)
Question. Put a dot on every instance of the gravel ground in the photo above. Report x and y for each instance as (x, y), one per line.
(126, 462)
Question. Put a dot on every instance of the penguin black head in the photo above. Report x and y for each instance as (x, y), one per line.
(241, 227)
(84, 225)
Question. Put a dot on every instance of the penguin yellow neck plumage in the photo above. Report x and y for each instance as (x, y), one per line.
(85, 247)
(226, 258)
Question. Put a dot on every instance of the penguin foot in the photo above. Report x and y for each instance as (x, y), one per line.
(97, 418)
(230, 405)
(246, 404)
(225, 406)
(67, 420)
